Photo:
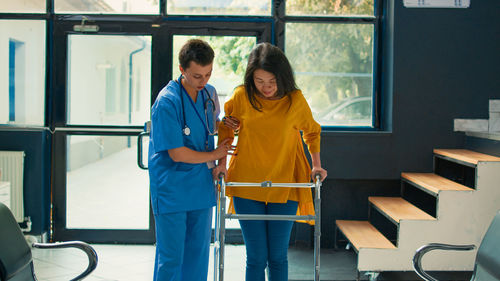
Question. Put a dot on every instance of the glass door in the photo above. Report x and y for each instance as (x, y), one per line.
(101, 195)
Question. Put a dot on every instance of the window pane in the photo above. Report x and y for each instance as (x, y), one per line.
(335, 72)
(108, 6)
(105, 187)
(23, 6)
(231, 56)
(22, 77)
(219, 7)
(109, 79)
(330, 8)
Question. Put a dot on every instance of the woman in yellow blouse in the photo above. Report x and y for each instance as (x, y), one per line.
(270, 112)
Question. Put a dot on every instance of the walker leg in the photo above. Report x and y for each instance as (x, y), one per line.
(222, 235)
(317, 230)
(216, 239)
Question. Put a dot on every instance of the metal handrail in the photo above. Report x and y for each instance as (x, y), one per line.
(417, 258)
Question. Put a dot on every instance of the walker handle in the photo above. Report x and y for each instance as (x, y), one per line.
(317, 176)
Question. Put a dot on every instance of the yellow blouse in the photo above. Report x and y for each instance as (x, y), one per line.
(270, 148)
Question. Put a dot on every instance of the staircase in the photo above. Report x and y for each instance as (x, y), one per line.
(455, 204)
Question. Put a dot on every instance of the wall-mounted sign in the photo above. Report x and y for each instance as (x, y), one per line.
(436, 3)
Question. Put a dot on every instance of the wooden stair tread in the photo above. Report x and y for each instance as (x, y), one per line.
(433, 182)
(396, 208)
(465, 155)
(362, 234)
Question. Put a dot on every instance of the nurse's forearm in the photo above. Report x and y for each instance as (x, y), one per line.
(187, 155)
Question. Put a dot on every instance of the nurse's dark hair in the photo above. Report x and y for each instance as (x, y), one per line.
(271, 59)
(196, 50)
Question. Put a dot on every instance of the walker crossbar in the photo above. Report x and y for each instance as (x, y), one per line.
(270, 184)
(270, 217)
(221, 216)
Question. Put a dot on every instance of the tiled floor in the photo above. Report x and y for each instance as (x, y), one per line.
(135, 263)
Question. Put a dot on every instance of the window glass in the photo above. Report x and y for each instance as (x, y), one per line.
(105, 187)
(219, 7)
(23, 6)
(334, 72)
(107, 6)
(22, 75)
(109, 79)
(231, 56)
(330, 8)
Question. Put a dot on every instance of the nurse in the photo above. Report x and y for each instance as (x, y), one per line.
(181, 166)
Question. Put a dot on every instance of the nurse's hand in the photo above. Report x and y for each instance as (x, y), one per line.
(219, 170)
(224, 149)
(231, 122)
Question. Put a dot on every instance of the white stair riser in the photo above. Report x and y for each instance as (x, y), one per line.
(463, 218)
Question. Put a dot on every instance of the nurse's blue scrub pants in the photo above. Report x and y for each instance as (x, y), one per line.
(266, 241)
(183, 245)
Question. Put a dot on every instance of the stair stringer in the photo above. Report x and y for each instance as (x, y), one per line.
(462, 218)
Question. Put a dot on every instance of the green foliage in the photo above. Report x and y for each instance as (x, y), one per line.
(332, 61)
(330, 7)
(232, 52)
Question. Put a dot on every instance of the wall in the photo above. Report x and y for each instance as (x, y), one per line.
(36, 145)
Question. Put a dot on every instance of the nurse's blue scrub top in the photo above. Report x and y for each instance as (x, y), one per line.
(179, 186)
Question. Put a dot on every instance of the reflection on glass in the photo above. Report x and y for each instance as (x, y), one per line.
(109, 79)
(334, 72)
(330, 8)
(22, 77)
(231, 56)
(219, 7)
(23, 6)
(105, 188)
(107, 6)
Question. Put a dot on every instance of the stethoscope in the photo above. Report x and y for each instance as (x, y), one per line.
(206, 103)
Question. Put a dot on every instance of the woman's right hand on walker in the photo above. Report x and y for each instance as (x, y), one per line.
(318, 171)
(224, 149)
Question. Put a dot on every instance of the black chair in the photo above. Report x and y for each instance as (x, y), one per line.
(487, 264)
(16, 262)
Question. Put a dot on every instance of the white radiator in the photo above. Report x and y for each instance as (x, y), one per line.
(12, 170)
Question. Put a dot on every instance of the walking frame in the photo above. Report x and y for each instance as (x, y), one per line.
(221, 216)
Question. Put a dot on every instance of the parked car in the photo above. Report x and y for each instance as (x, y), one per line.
(355, 111)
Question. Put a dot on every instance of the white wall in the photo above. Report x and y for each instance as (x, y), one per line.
(30, 109)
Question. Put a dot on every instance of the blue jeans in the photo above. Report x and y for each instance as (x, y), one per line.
(183, 245)
(266, 242)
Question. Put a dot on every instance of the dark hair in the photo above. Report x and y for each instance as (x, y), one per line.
(196, 50)
(271, 59)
